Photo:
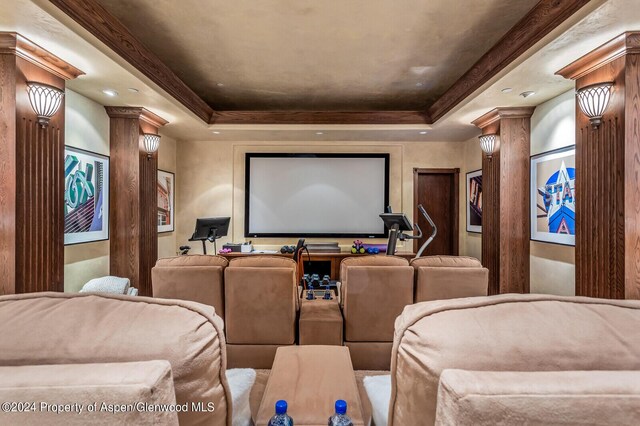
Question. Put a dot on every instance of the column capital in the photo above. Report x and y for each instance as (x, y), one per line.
(624, 44)
(136, 113)
(12, 43)
(501, 113)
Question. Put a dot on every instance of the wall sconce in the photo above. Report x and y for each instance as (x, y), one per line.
(45, 100)
(593, 101)
(489, 144)
(151, 143)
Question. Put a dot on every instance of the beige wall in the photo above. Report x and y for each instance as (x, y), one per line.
(167, 162)
(86, 127)
(211, 179)
(552, 265)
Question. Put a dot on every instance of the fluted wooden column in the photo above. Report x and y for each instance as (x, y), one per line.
(31, 171)
(133, 204)
(608, 174)
(505, 189)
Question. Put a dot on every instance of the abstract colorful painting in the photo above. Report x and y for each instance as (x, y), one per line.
(86, 196)
(166, 184)
(474, 201)
(553, 196)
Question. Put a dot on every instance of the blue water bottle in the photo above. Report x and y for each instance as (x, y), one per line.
(340, 417)
(327, 293)
(310, 294)
(281, 418)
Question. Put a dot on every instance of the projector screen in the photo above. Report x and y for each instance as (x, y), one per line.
(316, 195)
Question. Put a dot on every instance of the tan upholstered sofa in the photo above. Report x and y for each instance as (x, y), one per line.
(113, 348)
(198, 278)
(261, 305)
(449, 277)
(374, 291)
(515, 359)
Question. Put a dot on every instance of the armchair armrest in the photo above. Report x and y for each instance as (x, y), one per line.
(62, 393)
(538, 397)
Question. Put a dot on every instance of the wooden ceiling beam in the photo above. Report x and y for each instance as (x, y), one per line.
(540, 21)
(110, 31)
(320, 117)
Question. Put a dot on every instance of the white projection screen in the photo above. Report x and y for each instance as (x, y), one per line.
(316, 195)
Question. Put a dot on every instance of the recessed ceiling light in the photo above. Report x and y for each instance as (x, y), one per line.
(319, 133)
(133, 90)
(527, 93)
(110, 92)
(215, 132)
(220, 84)
(507, 90)
(423, 132)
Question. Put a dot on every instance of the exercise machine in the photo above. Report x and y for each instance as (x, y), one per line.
(398, 224)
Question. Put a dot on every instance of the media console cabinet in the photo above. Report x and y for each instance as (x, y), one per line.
(320, 263)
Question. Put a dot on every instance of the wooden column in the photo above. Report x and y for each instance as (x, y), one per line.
(505, 213)
(31, 171)
(133, 210)
(608, 174)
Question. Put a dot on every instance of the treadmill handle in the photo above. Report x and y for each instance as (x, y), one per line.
(433, 234)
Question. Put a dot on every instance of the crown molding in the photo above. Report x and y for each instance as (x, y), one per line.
(137, 113)
(14, 44)
(624, 44)
(501, 113)
(320, 117)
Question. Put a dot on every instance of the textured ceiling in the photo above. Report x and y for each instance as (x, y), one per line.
(319, 55)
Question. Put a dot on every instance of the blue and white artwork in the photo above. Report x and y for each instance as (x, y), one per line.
(86, 196)
(553, 196)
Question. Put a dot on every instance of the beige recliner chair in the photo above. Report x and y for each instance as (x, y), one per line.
(261, 304)
(514, 359)
(198, 278)
(449, 277)
(374, 291)
(87, 348)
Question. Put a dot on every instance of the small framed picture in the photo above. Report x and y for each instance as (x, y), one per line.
(86, 196)
(474, 201)
(166, 199)
(553, 196)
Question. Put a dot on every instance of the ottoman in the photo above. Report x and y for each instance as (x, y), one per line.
(320, 322)
(311, 379)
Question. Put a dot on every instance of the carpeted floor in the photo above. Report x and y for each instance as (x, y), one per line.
(263, 375)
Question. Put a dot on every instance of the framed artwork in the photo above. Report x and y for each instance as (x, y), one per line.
(474, 201)
(86, 196)
(553, 196)
(166, 185)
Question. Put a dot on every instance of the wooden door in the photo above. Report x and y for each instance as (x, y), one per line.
(438, 191)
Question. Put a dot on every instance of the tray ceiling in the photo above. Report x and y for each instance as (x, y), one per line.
(330, 55)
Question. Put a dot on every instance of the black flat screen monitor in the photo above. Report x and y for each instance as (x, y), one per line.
(391, 219)
(208, 228)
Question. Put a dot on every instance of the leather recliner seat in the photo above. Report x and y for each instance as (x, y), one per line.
(198, 278)
(107, 331)
(261, 305)
(499, 353)
(449, 277)
(374, 291)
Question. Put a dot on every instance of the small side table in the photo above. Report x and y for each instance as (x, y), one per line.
(320, 322)
(310, 379)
